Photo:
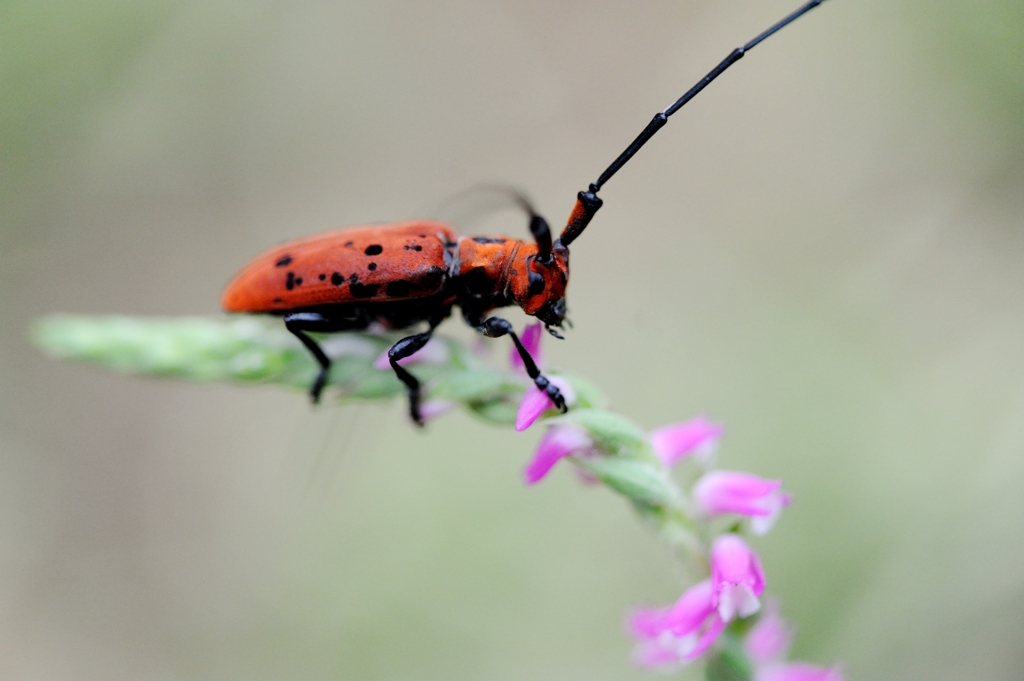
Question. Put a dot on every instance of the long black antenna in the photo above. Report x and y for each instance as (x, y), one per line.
(587, 202)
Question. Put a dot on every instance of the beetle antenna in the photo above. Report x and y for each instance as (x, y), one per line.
(542, 234)
(538, 228)
(587, 202)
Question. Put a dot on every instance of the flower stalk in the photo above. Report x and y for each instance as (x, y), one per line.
(667, 475)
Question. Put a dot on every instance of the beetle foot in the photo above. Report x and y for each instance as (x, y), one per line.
(318, 386)
(552, 391)
(414, 408)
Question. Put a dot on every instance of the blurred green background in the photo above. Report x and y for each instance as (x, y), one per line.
(823, 251)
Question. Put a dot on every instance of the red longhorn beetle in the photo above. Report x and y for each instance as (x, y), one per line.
(413, 272)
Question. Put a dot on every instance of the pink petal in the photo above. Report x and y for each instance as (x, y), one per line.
(737, 599)
(684, 617)
(697, 437)
(692, 609)
(559, 442)
(680, 634)
(648, 623)
(721, 492)
(434, 352)
(535, 402)
(770, 638)
(530, 338)
(737, 577)
(797, 671)
(665, 653)
(710, 635)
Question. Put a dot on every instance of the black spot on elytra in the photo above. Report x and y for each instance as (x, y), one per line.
(289, 283)
(398, 289)
(413, 247)
(372, 266)
(323, 277)
(428, 279)
(298, 281)
(364, 290)
(435, 274)
(284, 262)
(337, 279)
(353, 278)
(488, 240)
(374, 249)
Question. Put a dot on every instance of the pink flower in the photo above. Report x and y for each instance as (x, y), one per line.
(535, 402)
(530, 337)
(559, 442)
(766, 646)
(434, 352)
(797, 671)
(698, 438)
(769, 639)
(721, 492)
(736, 576)
(677, 635)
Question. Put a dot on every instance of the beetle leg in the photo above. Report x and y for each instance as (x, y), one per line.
(400, 350)
(496, 327)
(300, 322)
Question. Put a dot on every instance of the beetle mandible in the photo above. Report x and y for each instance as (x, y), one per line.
(415, 272)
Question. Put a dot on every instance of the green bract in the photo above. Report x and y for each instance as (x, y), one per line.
(612, 433)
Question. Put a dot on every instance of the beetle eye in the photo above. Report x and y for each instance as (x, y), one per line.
(536, 279)
(537, 283)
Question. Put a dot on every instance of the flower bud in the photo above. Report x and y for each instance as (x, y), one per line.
(769, 639)
(761, 500)
(697, 438)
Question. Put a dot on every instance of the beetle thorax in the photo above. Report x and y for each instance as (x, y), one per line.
(482, 265)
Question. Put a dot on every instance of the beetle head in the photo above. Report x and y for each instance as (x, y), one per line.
(538, 283)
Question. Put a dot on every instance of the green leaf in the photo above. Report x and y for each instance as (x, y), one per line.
(612, 433)
(497, 412)
(195, 348)
(374, 384)
(476, 385)
(588, 396)
(638, 480)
